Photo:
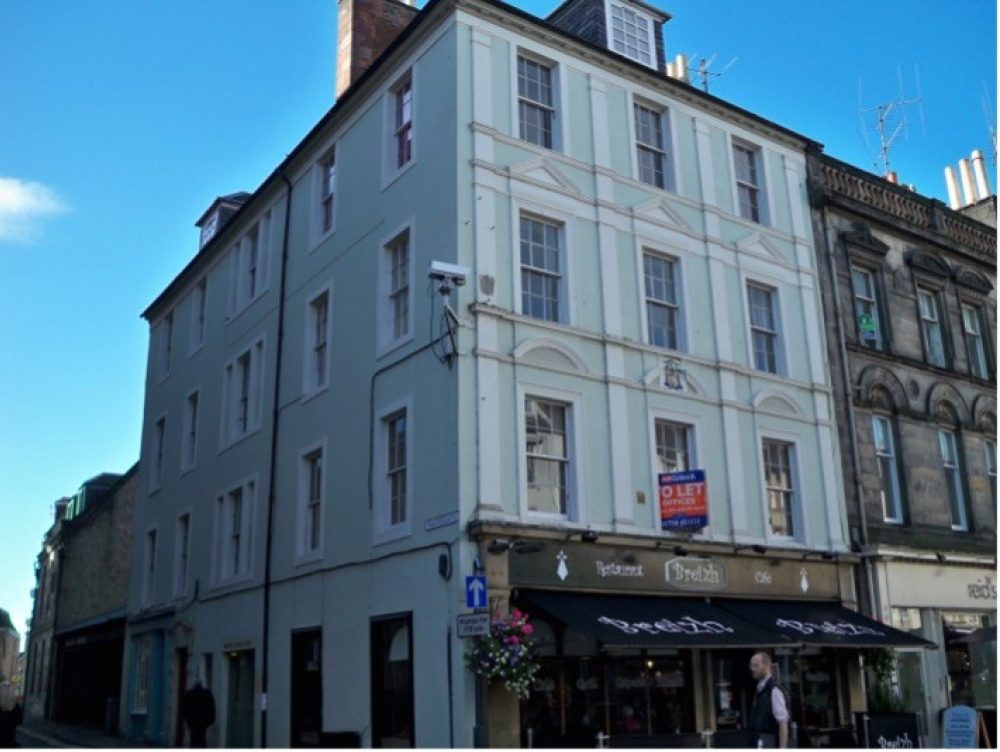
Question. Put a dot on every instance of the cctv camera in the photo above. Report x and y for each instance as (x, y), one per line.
(443, 271)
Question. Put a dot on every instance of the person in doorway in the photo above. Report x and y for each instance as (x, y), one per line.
(199, 712)
(769, 712)
(10, 718)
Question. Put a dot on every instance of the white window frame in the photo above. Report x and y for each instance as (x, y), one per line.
(926, 322)
(650, 33)
(189, 435)
(695, 454)
(975, 341)
(763, 204)
(778, 334)
(799, 531)
(576, 503)
(143, 658)
(680, 320)
(894, 514)
(666, 136)
(562, 306)
(391, 168)
(249, 264)
(158, 451)
(953, 478)
(328, 192)
(149, 566)
(199, 314)
(223, 570)
(557, 106)
(862, 298)
(383, 530)
(182, 553)
(384, 315)
(311, 385)
(232, 386)
(303, 548)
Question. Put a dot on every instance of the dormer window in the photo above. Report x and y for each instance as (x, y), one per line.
(630, 33)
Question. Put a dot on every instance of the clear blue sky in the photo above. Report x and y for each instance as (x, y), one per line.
(120, 121)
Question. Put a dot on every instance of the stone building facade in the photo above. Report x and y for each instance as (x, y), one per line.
(909, 289)
(73, 670)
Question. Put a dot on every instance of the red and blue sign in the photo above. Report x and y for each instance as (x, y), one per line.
(683, 501)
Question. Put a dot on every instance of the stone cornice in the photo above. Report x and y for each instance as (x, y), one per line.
(839, 183)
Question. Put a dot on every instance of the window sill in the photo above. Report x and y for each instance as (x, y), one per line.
(310, 559)
(238, 440)
(187, 470)
(382, 537)
(309, 396)
(320, 239)
(391, 178)
(196, 349)
(231, 317)
(391, 347)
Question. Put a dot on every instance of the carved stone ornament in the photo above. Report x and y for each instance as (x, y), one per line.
(929, 263)
(861, 239)
(973, 281)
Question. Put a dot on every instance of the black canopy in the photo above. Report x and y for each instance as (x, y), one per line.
(649, 622)
(822, 624)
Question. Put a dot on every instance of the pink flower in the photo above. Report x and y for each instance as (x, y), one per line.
(527, 629)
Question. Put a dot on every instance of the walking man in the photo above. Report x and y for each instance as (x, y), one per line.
(769, 714)
(199, 712)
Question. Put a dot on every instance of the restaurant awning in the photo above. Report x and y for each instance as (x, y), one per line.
(821, 624)
(649, 622)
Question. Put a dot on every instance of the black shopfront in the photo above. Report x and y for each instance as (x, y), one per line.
(665, 664)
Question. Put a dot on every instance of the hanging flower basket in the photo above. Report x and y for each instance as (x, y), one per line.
(506, 654)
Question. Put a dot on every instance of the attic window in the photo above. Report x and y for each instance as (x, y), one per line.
(630, 33)
(209, 229)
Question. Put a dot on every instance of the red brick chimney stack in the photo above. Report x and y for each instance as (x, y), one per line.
(364, 29)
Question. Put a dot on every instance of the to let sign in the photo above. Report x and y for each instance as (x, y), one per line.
(683, 500)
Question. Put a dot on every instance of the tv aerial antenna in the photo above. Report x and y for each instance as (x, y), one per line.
(990, 114)
(705, 73)
(889, 120)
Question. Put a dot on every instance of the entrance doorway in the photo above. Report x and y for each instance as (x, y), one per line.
(239, 699)
(180, 671)
(307, 688)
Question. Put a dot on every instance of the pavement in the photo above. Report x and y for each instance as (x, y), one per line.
(42, 733)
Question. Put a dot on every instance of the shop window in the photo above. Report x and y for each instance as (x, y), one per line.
(971, 666)
(392, 682)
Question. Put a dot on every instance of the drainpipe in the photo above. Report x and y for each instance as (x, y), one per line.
(872, 603)
(275, 412)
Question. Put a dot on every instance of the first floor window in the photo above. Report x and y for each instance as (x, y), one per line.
(763, 328)
(541, 269)
(535, 99)
(313, 482)
(662, 304)
(673, 446)
(317, 336)
(395, 470)
(888, 469)
(182, 546)
(930, 327)
(546, 454)
(399, 285)
(392, 682)
(779, 486)
(234, 523)
(149, 572)
(159, 445)
(953, 479)
(975, 342)
(866, 307)
(242, 389)
(190, 440)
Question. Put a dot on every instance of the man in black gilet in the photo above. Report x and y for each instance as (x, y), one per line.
(769, 713)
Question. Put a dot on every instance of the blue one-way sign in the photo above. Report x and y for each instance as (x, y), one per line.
(475, 592)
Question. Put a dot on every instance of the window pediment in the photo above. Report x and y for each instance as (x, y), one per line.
(929, 264)
(861, 242)
(973, 281)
